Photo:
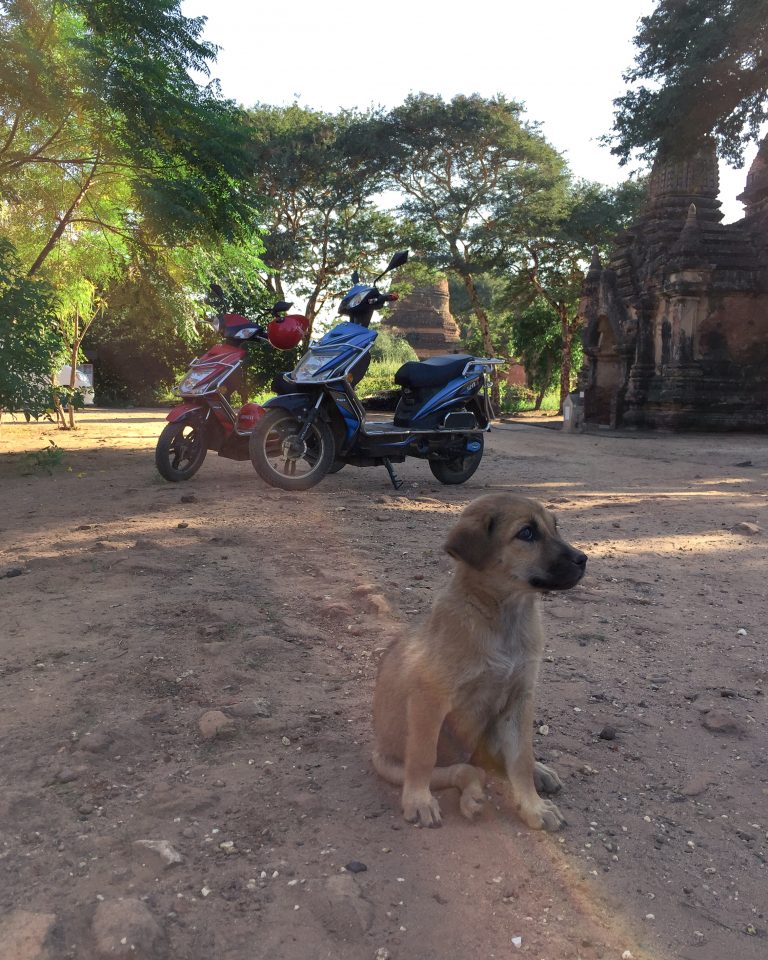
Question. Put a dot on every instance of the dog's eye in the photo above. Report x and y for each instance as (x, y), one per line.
(527, 533)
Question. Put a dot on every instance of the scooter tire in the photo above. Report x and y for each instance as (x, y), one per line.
(179, 455)
(268, 441)
(457, 471)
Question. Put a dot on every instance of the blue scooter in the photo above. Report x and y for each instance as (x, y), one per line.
(317, 424)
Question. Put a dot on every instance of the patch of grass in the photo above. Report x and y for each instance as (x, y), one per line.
(46, 459)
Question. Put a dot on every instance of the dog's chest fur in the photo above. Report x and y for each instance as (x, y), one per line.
(505, 664)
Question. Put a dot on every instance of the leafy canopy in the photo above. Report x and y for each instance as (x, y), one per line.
(30, 344)
(705, 63)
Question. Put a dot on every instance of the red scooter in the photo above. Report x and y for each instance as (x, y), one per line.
(205, 419)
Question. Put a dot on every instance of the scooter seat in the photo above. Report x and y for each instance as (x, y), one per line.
(433, 372)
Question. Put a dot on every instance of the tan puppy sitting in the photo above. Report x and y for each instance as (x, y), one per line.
(459, 696)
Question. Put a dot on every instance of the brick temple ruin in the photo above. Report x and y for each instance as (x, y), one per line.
(676, 323)
(424, 319)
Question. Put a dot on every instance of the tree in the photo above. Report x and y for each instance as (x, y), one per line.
(457, 164)
(316, 178)
(29, 340)
(96, 99)
(706, 64)
(547, 263)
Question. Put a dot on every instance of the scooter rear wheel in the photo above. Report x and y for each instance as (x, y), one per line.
(458, 470)
(284, 460)
(180, 450)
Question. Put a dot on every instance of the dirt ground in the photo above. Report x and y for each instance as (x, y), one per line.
(131, 607)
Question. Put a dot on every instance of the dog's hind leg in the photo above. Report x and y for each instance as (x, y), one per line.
(468, 779)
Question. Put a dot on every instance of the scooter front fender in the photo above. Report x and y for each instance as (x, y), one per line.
(183, 411)
(298, 404)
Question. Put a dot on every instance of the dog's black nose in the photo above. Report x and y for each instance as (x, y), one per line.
(580, 559)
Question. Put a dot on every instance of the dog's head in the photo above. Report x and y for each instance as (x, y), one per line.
(513, 541)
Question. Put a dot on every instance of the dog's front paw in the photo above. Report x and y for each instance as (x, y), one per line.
(546, 779)
(422, 809)
(542, 815)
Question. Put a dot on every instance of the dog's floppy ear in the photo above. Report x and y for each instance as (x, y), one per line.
(471, 538)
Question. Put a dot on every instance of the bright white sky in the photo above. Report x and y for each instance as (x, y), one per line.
(562, 58)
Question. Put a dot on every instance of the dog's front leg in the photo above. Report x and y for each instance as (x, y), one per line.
(426, 712)
(514, 740)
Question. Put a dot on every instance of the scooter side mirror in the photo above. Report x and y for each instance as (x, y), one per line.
(216, 297)
(397, 260)
(280, 307)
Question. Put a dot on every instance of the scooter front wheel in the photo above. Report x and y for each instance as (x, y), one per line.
(285, 459)
(459, 469)
(180, 450)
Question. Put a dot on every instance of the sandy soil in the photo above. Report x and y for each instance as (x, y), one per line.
(137, 611)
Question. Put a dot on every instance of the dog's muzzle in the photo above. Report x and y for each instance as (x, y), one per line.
(564, 573)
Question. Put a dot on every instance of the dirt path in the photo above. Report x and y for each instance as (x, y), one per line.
(136, 612)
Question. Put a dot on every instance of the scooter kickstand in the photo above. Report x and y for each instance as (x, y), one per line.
(396, 483)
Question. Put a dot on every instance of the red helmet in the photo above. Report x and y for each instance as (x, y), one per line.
(287, 332)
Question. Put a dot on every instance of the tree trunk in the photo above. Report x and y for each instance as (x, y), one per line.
(485, 330)
(73, 383)
(62, 224)
(61, 421)
(545, 381)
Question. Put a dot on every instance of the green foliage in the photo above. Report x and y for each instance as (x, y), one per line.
(316, 176)
(392, 349)
(706, 67)
(145, 336)
(515, 398)
(30, 343)
(379, 377)
(454, 162)
(46, 459)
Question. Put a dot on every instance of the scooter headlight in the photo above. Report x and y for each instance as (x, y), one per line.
(190, 383)
(317, 365)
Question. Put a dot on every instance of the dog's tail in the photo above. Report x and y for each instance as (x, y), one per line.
(470, 780)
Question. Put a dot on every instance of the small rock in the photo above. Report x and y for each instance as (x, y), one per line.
(750, 529)
(189, 498)
(517, 942)
(12, 572)
(258, 707)
(741, 632)
(544, 729)
(124, 929)
(97, 742)
(720, 721)
(336, 609)
(214, 724)
(382, 954)
(698, 784)
(182, 526)
(24, 935)
(67, 775)
(376, 604)
(355, 866)
(228, 846)
(607, 733)
(161, 850)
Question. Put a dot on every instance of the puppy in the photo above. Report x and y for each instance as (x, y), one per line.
(458, 698)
